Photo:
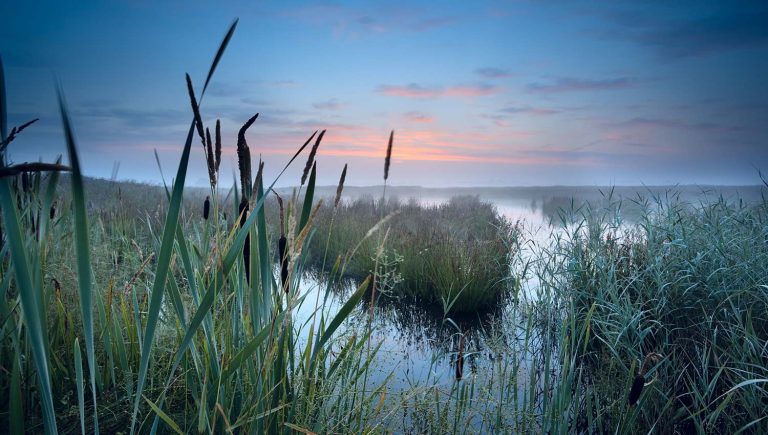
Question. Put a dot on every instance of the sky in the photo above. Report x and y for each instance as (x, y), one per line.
(478, 93)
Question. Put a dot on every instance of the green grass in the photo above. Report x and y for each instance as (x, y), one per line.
(455, 256)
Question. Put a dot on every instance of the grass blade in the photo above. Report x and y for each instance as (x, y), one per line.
(29, 302)
(82, 248)
(79, 385)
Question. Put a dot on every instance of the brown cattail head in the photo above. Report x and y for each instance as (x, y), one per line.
(206, 207)
(340, 187)
(282, 212)
(217, 147)
(639, 382)
(53, 211)
(281, 250)
(311, 158)
(195, 111)
(209, 157)
(243, 209)
(244, 158)
(389, 155)
(636, 390)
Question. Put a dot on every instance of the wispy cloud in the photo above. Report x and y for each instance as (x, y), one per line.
(418, 117)
(528, 110)
(656, 123)
(332, 104)
(415, 90)
(344, 20)
(573, 84)
(493, 73)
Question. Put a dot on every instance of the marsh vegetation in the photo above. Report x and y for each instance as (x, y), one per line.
(124, 308)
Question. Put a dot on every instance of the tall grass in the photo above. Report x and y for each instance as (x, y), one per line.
(234, 362)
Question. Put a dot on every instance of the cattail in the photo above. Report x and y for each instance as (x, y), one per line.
(311, 158)
(340, 187)
(195, 111)
(206, 207)
(639, 382)
(56, 287)
(244, 158)
(217, 148)
(460, 359)
(389, 155)
(53, 211)
(281, 246)
(243, 209)
(209, 157)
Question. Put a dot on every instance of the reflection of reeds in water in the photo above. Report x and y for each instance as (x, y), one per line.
(460, 359)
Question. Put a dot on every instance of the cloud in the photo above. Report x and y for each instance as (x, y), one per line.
(720, 29)
(355, 20)
(332, 104)
(493, 73)
(415, 90)
(652, 123)
(418, 117)
(572, 84)
(529, 110)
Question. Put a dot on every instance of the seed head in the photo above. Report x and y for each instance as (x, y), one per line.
(389, 155)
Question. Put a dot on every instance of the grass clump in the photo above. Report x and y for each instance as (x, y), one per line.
(687, 282)
(454, 256)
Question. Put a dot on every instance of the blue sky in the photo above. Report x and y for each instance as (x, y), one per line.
(479, 93)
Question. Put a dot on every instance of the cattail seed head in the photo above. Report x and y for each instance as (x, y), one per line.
(56, 287)
(340, 187)
(636, 390)
(243, 209)
(209, 158)
(218, 145)
(388, 159)
(311, 158)
(206, 207)
(244, 157)
(639, 382)
(281, 250)
(53, 211)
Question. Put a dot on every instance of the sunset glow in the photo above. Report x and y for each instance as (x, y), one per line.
(569, 93)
